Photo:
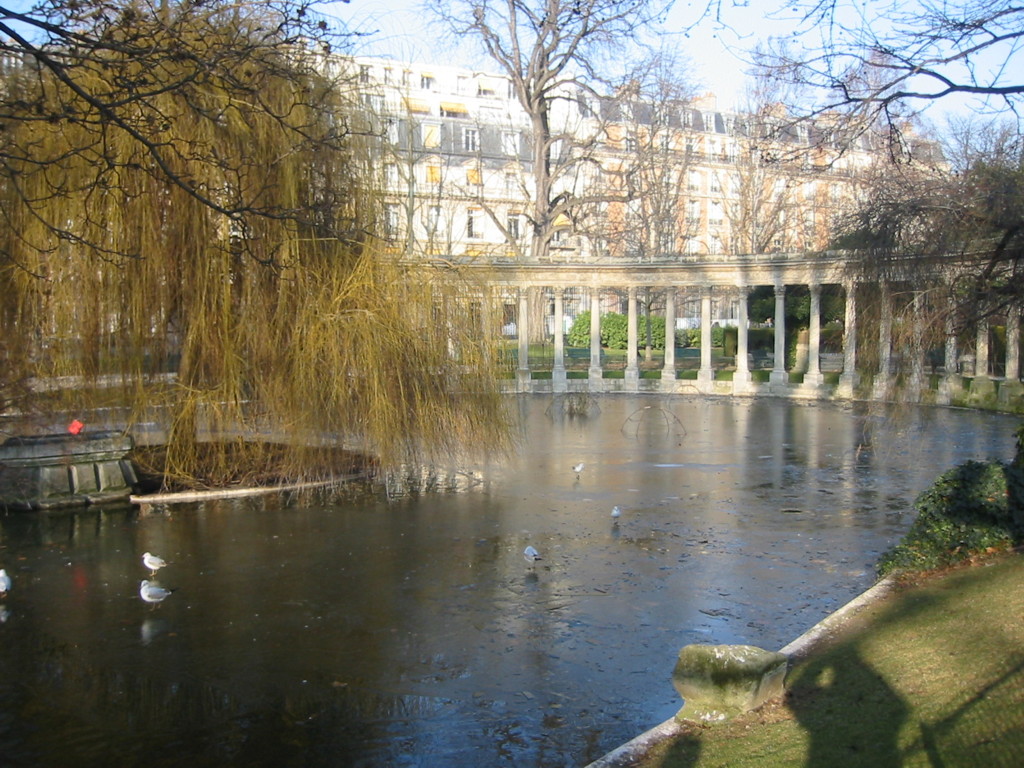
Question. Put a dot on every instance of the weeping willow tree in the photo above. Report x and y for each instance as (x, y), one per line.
(187, 214)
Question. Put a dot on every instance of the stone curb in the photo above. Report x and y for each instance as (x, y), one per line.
(798, 648)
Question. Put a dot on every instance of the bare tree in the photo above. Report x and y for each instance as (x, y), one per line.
(554, 53)
(879, 60)
(647, 135)
(964, 230)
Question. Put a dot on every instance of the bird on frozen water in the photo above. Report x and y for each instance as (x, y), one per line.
(152, 592)
(531, 555)
(577, 469)
(5, 582)
(616, 512)
(153, 562)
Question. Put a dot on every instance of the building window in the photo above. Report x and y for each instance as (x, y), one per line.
(693, 211)
(715, 216)
(632, 145)
(391, 175)
(473, 176)
(462, 84)
(473, 223)
(433, 218)
(716, 185)
(364, 73)
(431, 134)
(694, 181)
(510, 143)
(427, 82)
(389, 75)
(391, 131)
(511, 183)
(392, 220)
(433, 173)
(470, 139)
(514, 226)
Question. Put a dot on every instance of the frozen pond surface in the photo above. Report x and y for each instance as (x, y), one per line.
(311, 630)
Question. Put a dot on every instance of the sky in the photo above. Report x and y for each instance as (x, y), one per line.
(402, 32)
(716, 51)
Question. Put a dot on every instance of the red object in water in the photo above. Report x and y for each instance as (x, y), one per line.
(75, 427)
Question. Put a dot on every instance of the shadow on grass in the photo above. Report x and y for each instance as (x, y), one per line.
(820, 698)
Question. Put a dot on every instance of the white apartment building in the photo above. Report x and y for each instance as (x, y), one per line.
(457, 154)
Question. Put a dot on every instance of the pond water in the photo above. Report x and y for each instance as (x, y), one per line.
(316, 630)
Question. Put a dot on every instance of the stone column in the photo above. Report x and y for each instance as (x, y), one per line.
(522, 329)
(982, 386)
(915, 381)
(981, 351)
(668, 372)
(595, 374)
(558, 376)
(632, 366)
(880, 387)
(706, 374)
(849, 379)
(1011, 390)
(741, 378)
(1013, 344)
(814, 377)
(951, 383)
(779, 377)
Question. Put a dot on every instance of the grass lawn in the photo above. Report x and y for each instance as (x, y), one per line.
(933, 675)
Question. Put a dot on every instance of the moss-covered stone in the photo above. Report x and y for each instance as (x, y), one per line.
(720, 681)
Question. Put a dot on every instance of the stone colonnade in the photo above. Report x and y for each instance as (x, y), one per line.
(813, 384)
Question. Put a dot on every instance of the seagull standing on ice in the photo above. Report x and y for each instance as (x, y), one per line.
(616, 512)
(577, 469)
(531, 555)
(152, 592)
(153, 562)
(5, 583)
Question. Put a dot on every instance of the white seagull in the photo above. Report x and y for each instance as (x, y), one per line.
(616, 511)
(577, 469)
(5, 582)
(152, 592)
(530, 555)
(153, 562)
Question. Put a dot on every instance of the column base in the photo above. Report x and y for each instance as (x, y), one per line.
(880, 388)
(558, 380)
(742, 383)
(814, 380)
(778, 379)
(523, 379)
(668, 374)
(982, 389)
(1009, 391)
(848, 384)
(632, 379)
(950, 387)
(705, 380)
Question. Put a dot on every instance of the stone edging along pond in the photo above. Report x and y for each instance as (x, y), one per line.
(798, 648)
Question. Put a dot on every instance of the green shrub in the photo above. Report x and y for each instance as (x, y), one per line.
(970, 509)
(692, 337)
(615, 331)
(730, 341)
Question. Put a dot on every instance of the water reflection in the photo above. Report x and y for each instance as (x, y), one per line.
(406, 629)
